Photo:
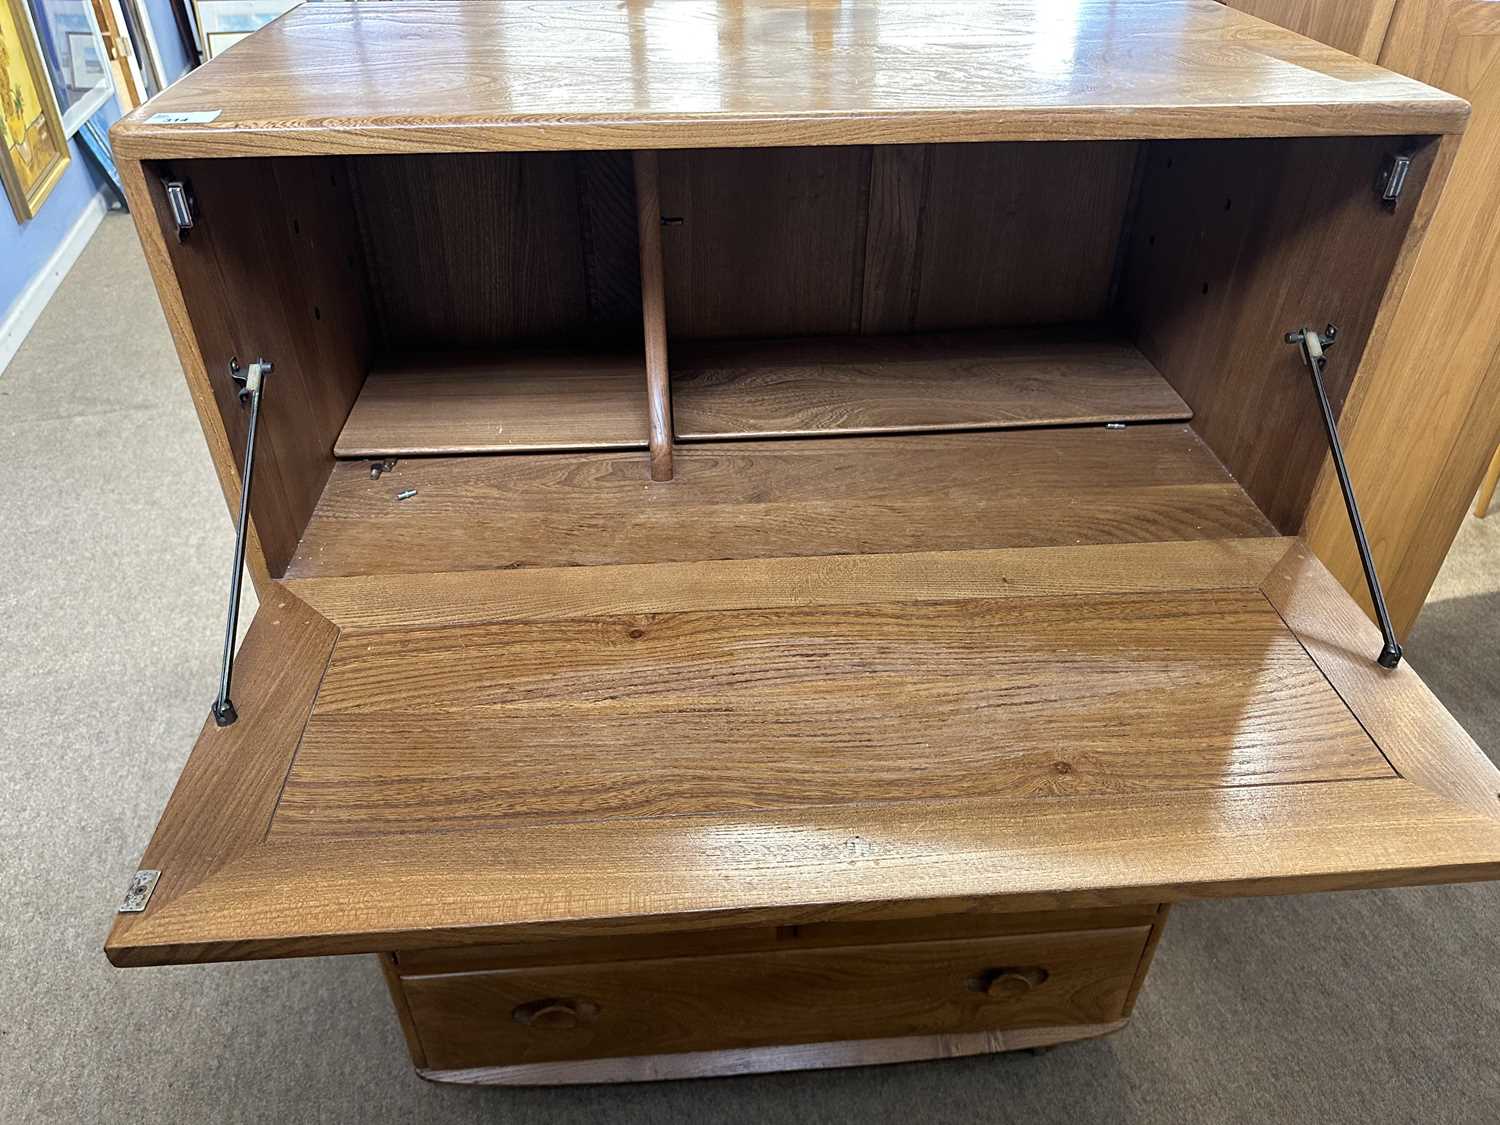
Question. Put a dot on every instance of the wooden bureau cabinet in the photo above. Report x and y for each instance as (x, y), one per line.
(776, 524)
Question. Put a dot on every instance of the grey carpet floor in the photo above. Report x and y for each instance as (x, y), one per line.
(1360, 1007)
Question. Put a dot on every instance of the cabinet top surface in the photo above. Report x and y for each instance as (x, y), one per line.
(581, 74)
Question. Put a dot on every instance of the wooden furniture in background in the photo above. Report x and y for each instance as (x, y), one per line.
(1487, 487)
(1355, 26)
(875, 703)
(1440, 360)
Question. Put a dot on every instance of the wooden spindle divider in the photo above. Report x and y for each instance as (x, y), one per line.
(654, 314)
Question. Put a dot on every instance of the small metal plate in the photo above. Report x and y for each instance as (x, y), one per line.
(139, 894)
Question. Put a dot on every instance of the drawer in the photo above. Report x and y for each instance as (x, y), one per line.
(754, 999)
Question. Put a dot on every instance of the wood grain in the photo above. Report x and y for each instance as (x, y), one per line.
(763, 1060)
(272, 269)
(1235, 245)
(762, 710)
(1355, 26)
(257, 895)
(403, 1009)
(654, 312)
(891, 239)
(611, 250)
(1419, 737)
(758, 999)
(543, 594)
(314, 897)
(222, 803)
(798, 746)
(1158, 927)
(764, 242)
(174, 281)
(787, 388)
(574, 75)
(1486, 495)
(818, 935)
(774, 499)
(894, 216)
(1020, 233)
(469, 250)
(505, 403)
(1440, 360)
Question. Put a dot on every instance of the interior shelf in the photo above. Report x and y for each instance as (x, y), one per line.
(890, 384)
(741, 500)
(507, 403)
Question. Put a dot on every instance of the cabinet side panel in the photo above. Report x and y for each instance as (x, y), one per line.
(176, 281)
(1441, 359)
(272, 269)
(1235, 244)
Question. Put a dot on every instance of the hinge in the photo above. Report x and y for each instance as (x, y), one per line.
(184, 206)
(142, 883)
(1392, 179)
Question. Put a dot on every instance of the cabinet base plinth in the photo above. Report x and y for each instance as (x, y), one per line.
(762, 1060)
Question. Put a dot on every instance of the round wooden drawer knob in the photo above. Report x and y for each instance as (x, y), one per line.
(1009, 982)
(555, 1013)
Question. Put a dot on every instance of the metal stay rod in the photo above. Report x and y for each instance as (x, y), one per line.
(253, 379)
(1312, 346)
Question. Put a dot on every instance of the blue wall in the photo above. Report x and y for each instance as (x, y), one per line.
(25, 247)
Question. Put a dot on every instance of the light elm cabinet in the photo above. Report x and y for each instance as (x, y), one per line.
(776, 527)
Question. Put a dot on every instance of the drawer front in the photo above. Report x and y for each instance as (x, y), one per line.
(758, 999)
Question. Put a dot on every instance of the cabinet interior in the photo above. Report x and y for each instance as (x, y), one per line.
(871, 348)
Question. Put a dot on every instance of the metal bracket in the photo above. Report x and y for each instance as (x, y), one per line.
(1313, 345)
(142, 883)
(251, 382)
(184, 206)
(1392, 179)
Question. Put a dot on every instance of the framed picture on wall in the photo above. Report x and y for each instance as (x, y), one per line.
(84, 64)
(223, 23)
(80, 90)
(137, 17)
(221, 41)
(36, 148)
